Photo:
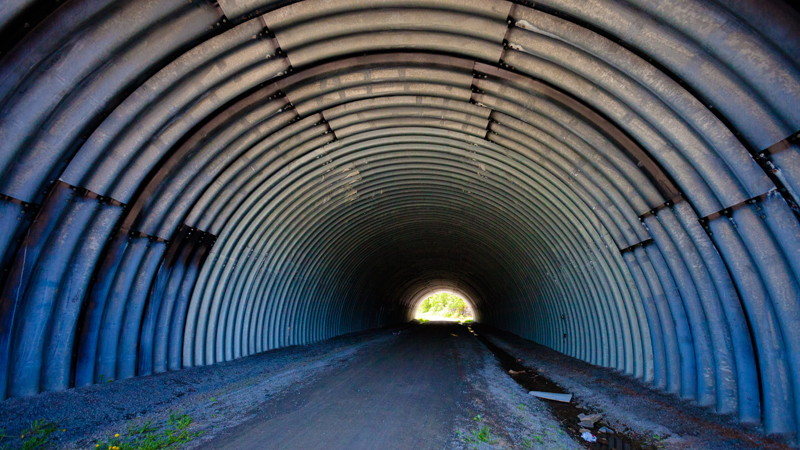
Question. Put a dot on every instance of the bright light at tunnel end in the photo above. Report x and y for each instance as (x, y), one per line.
(443, 305)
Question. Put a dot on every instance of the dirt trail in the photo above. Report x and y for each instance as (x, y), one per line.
(431, 386)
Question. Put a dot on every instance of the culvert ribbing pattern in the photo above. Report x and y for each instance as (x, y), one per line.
(185, 183)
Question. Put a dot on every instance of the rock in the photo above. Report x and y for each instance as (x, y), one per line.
(590, 417)
(515, 372)
(583, 430)
(605, 430)
(586, 424)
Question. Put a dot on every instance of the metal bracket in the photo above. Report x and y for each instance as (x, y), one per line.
(140, 234)
(668, 204)
(762, 158)
(727, 212)
(633, 247)
(25, 205)
(323, 121)
(94, 195)
(474, 90)
(778, 147)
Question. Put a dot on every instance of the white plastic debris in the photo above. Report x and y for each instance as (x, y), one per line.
(566, 398)
(588, 437)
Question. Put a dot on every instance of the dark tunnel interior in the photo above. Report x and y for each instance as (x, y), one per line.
(189, 182)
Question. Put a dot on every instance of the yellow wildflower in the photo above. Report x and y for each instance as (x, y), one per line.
(116, 435)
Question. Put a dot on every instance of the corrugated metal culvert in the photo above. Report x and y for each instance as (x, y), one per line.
(184, 183)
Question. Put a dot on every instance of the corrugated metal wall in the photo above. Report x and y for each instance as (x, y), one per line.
(184, 183)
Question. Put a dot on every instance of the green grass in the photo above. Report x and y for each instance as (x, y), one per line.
(145, 436)
(483, 434)
(528, 442)
(37, 436)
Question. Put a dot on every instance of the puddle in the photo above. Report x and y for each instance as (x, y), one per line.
(565, 413)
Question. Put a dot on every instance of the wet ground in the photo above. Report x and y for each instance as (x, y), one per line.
(430, 386)
(646, 418)
(568, 413)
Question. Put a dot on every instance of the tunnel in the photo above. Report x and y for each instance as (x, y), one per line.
(184, 183)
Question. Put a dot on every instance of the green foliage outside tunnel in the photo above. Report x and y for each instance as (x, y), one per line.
(444, 306)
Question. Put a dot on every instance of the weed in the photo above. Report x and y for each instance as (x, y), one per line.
(38, 435)
(144, 428)
(482, 434)
(528, 442)
(147, 437)
(521, 406)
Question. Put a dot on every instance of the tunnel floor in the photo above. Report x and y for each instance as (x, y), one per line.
(409, 395)
(431, 386)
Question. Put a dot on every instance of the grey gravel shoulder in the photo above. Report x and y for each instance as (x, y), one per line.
(665, 421)
(515, 419)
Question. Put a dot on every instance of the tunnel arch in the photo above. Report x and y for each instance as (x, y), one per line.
(185, 183)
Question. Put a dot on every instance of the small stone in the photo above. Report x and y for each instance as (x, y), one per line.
(586, 424)
(605, 430)
(590, 417)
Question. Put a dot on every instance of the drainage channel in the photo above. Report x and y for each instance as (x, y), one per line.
(565, 413)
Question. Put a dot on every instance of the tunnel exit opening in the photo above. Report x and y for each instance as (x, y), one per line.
(444, 306)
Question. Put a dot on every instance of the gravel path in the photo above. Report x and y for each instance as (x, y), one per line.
(431, 386)
(216, 397)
